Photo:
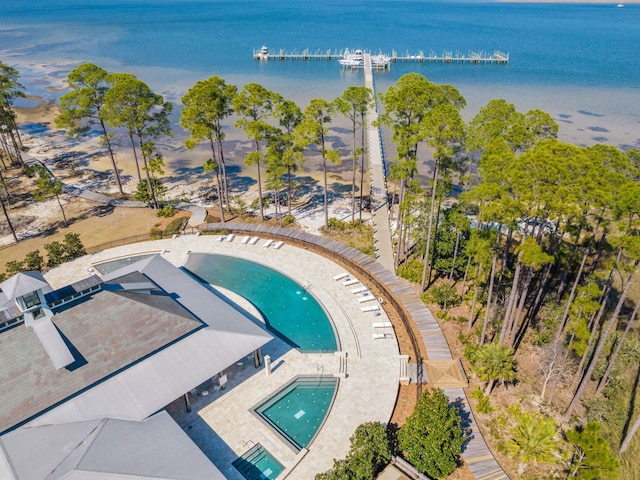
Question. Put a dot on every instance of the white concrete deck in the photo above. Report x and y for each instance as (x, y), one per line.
(222, 423)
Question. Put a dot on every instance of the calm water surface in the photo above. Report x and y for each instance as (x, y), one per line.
(577, 61)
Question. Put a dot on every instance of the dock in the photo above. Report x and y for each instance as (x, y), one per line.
(472, 57)
(382, 234)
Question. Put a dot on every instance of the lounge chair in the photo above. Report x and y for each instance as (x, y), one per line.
(378, 336)
(340, 276)
(230, 237)
(382, 325)
(350, 281)
(277, 245)
(367, 298)
(221, 238)
(254, 240)
(245, 240)
(268, 243)
(361, 290)
(370, 308)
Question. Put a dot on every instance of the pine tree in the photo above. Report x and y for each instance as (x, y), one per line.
(591, 455)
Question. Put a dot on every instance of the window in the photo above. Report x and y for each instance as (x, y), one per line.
(31, 299)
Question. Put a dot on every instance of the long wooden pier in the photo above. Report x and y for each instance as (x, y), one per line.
(481, 57)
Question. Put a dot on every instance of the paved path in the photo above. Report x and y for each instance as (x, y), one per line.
(99, 198)
(377, 172)
(198, 213)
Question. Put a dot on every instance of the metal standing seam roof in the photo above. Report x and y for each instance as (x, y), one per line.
(23, 283)
(106, 449)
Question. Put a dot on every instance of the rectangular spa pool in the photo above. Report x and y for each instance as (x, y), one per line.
(297, 411)
(258, 464)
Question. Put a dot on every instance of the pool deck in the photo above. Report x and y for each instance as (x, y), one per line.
(221, 422)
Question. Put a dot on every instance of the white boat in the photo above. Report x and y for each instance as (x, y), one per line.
(380, 61)
(621, 4)
(263, 53)
(352, 59)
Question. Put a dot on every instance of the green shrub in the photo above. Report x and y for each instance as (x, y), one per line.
(370, 452)
(444, 295)
(34, 261)
(411, 270)
(484, 405)
(14, 267)
(155, 233)
(212, 219)
(288, 220)
(73, 247)
(175, 226)
(166, 211)
(432, 436)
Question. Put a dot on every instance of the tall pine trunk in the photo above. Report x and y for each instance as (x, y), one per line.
(600, 346)
(487, 313)
(111, 155)
(362, 164)
(6, 216)
(614, 355)
(475, 299)
(518, 313)
(427, 253)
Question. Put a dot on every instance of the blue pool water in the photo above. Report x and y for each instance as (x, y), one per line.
(288, 309)
(298, 411)
(258, 464)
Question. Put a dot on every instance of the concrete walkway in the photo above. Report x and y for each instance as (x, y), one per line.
(100, 198)
(377, 172)
(198, 213)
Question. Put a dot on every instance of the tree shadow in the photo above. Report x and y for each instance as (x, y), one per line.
(33, 128)
(238, 183)
(466, 421)
(632, 406)
(341, 190)
(392, 435)
(305, 186)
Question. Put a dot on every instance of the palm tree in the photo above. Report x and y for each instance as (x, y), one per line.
(494, 362)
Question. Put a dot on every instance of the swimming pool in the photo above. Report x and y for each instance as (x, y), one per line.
(258, 464)
(298, 410)
(289, 309)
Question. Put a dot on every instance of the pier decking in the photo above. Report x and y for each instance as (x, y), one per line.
(471, 57)
(377, 171)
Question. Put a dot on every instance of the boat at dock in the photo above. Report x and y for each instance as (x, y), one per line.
(380, 61)
(263, 53)
(353, 59)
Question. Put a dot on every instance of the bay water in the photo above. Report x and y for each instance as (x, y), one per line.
(579, 62)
